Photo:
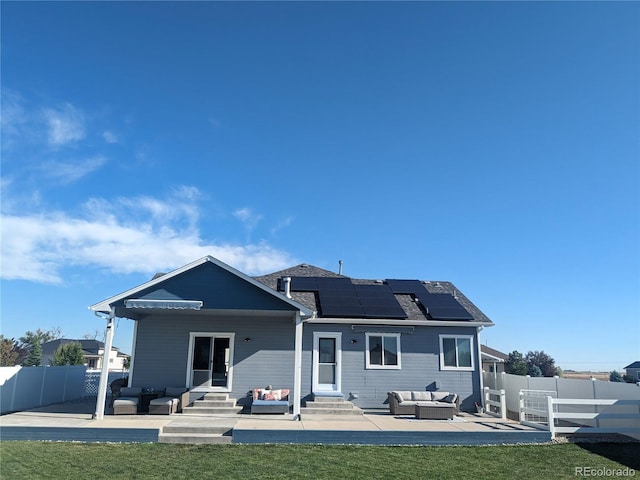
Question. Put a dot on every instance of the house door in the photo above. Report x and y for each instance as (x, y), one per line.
(327, 359)
(210, 364)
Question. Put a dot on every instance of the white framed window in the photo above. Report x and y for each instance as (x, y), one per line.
(456, 352)
(383, 351)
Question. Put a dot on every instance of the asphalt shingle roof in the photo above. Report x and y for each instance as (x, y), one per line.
(406, 301)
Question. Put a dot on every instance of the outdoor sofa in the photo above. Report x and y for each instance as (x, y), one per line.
(441, 404)
(266, 400)
(128, 401)
(172, 401)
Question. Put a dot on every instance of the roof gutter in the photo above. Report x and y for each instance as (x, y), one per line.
(382, 321)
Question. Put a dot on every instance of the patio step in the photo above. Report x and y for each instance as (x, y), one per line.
(330, 406)
(213, 404)
(194, 438)
(334, 404)
(193, 432)
(329, 411)
(211, 410)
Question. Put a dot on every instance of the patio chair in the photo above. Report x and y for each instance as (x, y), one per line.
(128, 401)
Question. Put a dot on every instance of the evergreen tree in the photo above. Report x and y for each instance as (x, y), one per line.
(68, 354)
(534, 371)
(615, 377)
(515, 364)
(34, 359)
(543, 361)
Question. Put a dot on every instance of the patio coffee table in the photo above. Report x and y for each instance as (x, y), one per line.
(429, 411)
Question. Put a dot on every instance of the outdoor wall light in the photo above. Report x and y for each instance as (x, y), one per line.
(353, 340)
(247, 339)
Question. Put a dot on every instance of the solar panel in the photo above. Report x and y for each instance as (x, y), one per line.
(339, 297)
(304, 284)
(438, 306)
(342, 311)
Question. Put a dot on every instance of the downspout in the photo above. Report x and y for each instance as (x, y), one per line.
(104, 375)
(297, 372)
(480, 374)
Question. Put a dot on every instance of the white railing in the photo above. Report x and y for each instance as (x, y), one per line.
(592, 422)
(497, 408)
(533, 408)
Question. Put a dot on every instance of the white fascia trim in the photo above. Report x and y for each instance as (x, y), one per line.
(425, 323)
(105, 305)
(492, 357)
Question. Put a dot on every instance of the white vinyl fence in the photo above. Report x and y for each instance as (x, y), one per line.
(576, 405)
(23, 388)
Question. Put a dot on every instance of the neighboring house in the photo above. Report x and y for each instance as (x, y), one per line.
(492, 359)
(209, 327)
(633, 370)
(93, 351)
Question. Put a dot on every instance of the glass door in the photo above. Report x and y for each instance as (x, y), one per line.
(327, 355)
(210, 361)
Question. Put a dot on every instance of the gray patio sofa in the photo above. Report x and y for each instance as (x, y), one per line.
(404, 402)
(172, 401)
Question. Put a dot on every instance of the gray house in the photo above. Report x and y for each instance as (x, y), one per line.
(633, 370)
(93, 351)
(211, 328)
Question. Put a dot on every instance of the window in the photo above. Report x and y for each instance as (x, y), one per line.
(383, 350)
(456, 352)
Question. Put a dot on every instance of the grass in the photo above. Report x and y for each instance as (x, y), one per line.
(58, 460)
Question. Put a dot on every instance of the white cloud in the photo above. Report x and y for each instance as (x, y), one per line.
(149, 237)
(284, 223)
(248, 217)
(65, 125)
(109, 136)
(69, 172)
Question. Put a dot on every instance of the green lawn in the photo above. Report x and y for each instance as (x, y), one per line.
(58, 460)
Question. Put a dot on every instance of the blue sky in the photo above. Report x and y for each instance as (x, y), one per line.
(494, 145)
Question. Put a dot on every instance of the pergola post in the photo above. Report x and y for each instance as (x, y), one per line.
(104, 375)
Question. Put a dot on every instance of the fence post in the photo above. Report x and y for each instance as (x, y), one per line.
(44, 376)
(550, 420)
(521, 409)
(15, 385)
(503, 404)
(487, 407)
(66, 379)
(596, 410)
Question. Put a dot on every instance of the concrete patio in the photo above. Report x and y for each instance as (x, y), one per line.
(73, 422)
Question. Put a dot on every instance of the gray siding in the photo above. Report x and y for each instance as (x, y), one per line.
(161, 356)
(217, 288)
(162, 346)
(419, 360)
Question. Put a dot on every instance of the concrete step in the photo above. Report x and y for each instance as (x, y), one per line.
(333, 405)
(214, 403)
(194, 438)
(329, 411)
(216, 396)
(328, 399)
(210, 410)
(200, 429)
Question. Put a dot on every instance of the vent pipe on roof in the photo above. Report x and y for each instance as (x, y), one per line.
(339, 267)
(287, 286)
